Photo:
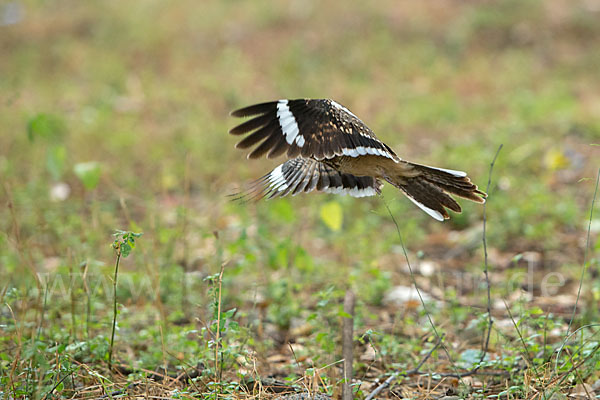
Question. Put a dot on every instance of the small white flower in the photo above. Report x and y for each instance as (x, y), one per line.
(60, 191)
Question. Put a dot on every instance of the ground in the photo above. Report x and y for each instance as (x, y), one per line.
(114, 116)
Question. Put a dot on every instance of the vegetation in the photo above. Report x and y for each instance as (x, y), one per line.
(114, 118)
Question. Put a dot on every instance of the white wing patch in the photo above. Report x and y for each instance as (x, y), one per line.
(276, 179)
(361, 151)
(354, 192)
(432, 213)
(341, 107)
(458, 174)
(302, 175)
(288, 124)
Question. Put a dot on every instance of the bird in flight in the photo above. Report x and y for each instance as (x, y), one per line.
(331, 150)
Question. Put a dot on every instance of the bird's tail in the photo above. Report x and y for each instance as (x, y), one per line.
(430, 188)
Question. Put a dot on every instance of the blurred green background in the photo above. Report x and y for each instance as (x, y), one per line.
(115, 115)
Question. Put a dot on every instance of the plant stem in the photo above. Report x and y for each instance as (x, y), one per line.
(585, 257)
(184, 229)
(72, 293)
(114, 323)
(88, 311)
(217, 372)
(347, 343)
(485, 344)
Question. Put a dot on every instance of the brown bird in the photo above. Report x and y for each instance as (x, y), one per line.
(332, 150)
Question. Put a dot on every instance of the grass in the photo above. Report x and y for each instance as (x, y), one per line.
(115, 116)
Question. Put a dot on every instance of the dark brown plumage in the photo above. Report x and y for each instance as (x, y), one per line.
(332, 150)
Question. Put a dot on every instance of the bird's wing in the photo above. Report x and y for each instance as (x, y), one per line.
(319, 129)
(303, 175)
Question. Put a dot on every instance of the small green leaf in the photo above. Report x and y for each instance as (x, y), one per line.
(332, 216)
(470, 358)
(124, 242)
(125, 249)
(55, 161)
(88, 173)
(536, 311)
(45, 126)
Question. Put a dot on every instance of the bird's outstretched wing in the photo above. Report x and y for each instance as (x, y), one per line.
(319, 129)
(303, 175)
